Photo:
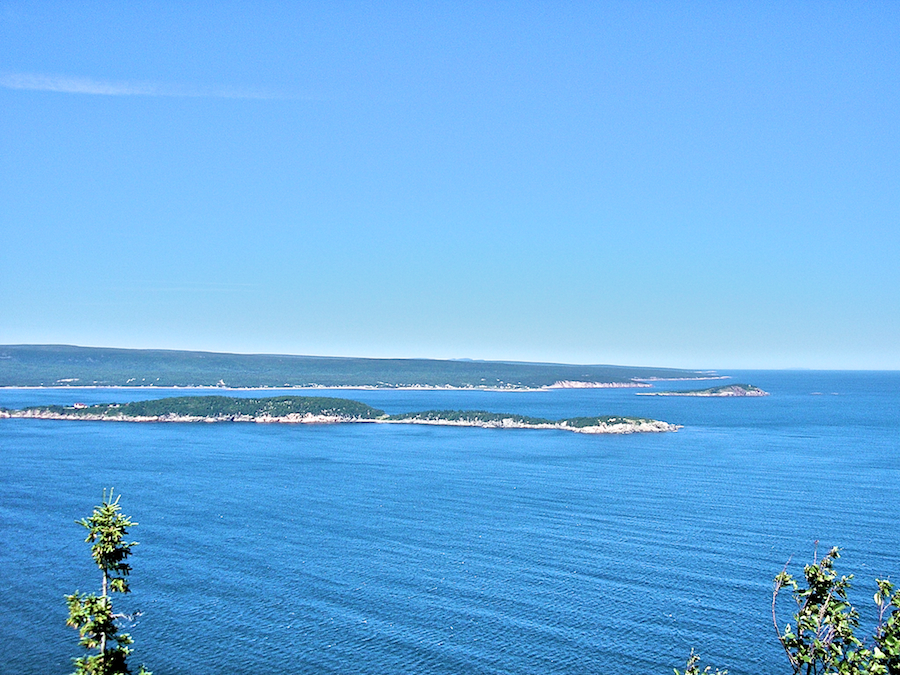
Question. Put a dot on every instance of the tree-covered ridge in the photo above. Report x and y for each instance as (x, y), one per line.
(63, 365)
(223, 407)
(471, 416)
(485, 417)
(582, 422)
(316, 409)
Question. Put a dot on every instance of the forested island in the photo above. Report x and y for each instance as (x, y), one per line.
(319, 410)
(722, 391)
(70, 366)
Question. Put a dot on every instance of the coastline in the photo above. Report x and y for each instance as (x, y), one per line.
(682, 379)
(626, 426)
(726, 391)
(562, 384)
(686, 395)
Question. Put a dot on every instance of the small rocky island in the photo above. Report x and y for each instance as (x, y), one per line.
(726, 390)
(319, 410)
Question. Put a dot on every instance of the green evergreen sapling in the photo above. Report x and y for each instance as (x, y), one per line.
(92, 615)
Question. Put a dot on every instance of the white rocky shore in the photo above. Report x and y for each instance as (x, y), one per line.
(625, 426)
(291, 418)
(578, 384)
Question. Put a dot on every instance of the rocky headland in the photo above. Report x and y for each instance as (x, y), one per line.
(727, 390)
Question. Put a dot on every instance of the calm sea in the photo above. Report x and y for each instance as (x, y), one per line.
(387, 549)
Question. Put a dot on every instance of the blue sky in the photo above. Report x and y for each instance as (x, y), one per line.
(709, 185)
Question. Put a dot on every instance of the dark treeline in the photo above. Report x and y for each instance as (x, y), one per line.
(62, 365)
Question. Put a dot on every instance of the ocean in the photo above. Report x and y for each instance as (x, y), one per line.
(386, 549)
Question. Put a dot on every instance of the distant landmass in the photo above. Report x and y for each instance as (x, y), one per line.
(319, 410)
(725, 390)
(70, 366)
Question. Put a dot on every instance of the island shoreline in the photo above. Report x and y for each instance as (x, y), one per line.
(619, 428)
(288, 409)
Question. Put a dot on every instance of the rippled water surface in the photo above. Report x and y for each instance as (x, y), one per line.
(389, 549)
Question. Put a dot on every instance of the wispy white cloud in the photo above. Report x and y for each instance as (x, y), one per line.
(86, 85)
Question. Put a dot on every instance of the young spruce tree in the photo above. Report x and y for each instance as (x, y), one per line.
(91, 614)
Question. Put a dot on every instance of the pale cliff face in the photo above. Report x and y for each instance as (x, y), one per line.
(577, 384)
(292, 418)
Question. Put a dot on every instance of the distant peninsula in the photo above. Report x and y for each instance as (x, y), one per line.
(723, 391)
(70, 366)
(319, 410)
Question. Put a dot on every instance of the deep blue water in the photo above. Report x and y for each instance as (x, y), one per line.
(388, 549)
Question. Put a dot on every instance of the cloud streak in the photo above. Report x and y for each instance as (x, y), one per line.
(84, 85)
